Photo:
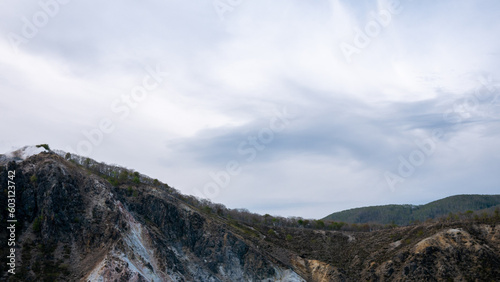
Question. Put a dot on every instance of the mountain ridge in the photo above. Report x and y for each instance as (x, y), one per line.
(81, 220)
(405, 214)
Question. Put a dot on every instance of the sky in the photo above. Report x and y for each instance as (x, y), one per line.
(292, 108)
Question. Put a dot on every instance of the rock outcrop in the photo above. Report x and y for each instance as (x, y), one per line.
(74, 225)
(89, 230)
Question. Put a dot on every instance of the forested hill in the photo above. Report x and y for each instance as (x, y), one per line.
(469, 205)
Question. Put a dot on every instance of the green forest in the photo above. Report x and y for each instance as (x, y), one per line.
(464, 205)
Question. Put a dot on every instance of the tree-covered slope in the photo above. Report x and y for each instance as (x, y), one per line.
(405, 214)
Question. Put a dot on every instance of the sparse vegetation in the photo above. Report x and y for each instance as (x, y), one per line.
(118, 176)
(45, 146)
(271, 232)
(320, 224)
(332, 242)
(136, 180)
(37, 224)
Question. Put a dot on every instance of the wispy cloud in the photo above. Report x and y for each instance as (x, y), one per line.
(428, 67)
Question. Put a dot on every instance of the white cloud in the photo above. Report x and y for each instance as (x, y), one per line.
(226, 79)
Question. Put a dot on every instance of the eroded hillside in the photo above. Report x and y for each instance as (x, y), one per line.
(74, 225)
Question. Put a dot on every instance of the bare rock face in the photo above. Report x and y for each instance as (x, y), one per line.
(89, 230)
(455, 254)
(76, 226)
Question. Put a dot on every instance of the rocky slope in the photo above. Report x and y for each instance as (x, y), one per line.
(74, 225)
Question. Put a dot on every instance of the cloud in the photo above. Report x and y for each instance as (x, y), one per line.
(424, 68)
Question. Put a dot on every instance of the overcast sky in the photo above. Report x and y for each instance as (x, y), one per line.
(292, 108)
